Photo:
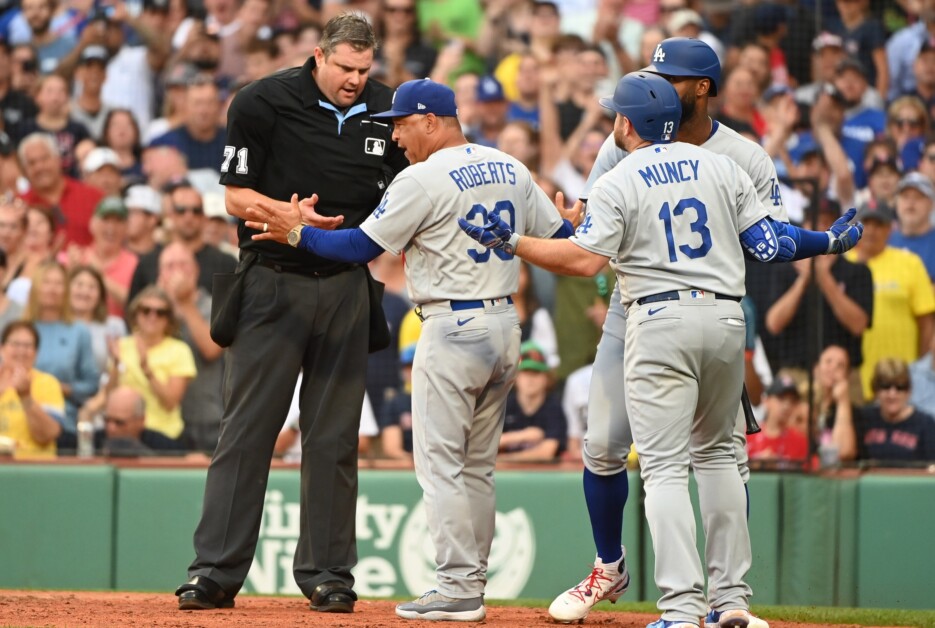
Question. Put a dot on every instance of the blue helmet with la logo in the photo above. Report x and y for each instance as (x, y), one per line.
(650, 103)
(681, 56)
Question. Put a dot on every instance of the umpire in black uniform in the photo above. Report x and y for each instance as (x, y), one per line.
(303, 130)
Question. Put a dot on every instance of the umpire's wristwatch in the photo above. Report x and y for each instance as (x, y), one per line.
(295, 235)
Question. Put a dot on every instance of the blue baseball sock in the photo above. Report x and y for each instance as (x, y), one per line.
(606, 496)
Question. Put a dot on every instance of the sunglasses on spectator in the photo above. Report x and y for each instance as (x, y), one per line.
(188, 209)
(533, 355)
(903, 122)
(116, 421)
(13, 344)
(900, 386)
(406, 10)
(930, 157)
(161, 312)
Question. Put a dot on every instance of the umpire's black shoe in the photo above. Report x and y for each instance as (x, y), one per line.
(200, 593)
(333, 596)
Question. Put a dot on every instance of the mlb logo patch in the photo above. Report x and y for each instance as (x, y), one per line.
(697, 294)
(374, 146)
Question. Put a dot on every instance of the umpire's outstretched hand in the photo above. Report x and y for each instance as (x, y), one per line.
(274, 221)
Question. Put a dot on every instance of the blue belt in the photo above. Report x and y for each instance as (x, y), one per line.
(457, 306)
(673, 295)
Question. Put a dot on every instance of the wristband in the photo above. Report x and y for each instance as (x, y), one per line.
(510, 245)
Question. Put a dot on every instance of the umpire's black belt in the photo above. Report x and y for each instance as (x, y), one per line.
(305, 272)
(673, 295)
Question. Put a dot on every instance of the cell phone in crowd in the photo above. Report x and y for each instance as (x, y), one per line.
(101, 13)
(196, 10)
(835, 93)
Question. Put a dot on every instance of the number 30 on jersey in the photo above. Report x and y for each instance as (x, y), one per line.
(501, 208)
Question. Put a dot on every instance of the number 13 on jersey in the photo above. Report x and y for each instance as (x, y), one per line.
(699, 226)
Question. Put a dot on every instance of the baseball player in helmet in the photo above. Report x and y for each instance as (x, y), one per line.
(673, 218)
(693, 69)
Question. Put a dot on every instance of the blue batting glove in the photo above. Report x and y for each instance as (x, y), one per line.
(495, 234)
(843, 235)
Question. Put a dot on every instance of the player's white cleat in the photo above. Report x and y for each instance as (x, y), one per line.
(433, 606)
(606, 582)
(734, 618)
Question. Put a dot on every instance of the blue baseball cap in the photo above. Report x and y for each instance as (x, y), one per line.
(421, 96)
(489, 89)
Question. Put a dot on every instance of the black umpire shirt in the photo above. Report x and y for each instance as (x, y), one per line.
(285, 137)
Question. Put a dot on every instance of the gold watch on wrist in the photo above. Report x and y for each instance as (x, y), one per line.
(295, 235)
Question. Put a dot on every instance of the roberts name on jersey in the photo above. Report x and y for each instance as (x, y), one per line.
(486, 173)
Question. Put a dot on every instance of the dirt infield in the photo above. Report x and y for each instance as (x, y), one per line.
(66, 609)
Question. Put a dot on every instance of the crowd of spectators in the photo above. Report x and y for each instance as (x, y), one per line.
(112, 221)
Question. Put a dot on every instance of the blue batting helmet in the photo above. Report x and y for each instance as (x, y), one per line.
(681, 56)
(650, 103)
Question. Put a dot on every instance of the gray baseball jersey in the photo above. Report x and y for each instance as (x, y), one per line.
(671, 216)
(418, 211)
(609, 441)
(468, 349)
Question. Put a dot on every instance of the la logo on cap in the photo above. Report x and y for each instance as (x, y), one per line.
(660, 55)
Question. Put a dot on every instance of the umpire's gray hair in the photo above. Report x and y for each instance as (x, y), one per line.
(36, 138)
(348, 28)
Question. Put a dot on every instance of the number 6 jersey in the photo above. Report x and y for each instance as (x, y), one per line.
(418, 216)
(671, 215)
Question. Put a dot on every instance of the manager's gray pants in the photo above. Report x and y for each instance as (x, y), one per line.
(289, 322)
(461, 377)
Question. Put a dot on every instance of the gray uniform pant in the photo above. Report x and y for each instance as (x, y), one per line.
(684, 370)
(460, 380)
(607, 438)
(289, 322)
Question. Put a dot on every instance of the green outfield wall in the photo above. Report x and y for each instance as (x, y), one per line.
(829, 541)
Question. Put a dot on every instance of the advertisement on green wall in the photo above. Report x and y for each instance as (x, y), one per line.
(396, 555)
(395, 550)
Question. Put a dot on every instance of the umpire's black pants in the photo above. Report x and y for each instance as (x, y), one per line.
(287, 322)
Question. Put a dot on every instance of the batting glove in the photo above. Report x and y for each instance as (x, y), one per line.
(496, 234)
(843, 235)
